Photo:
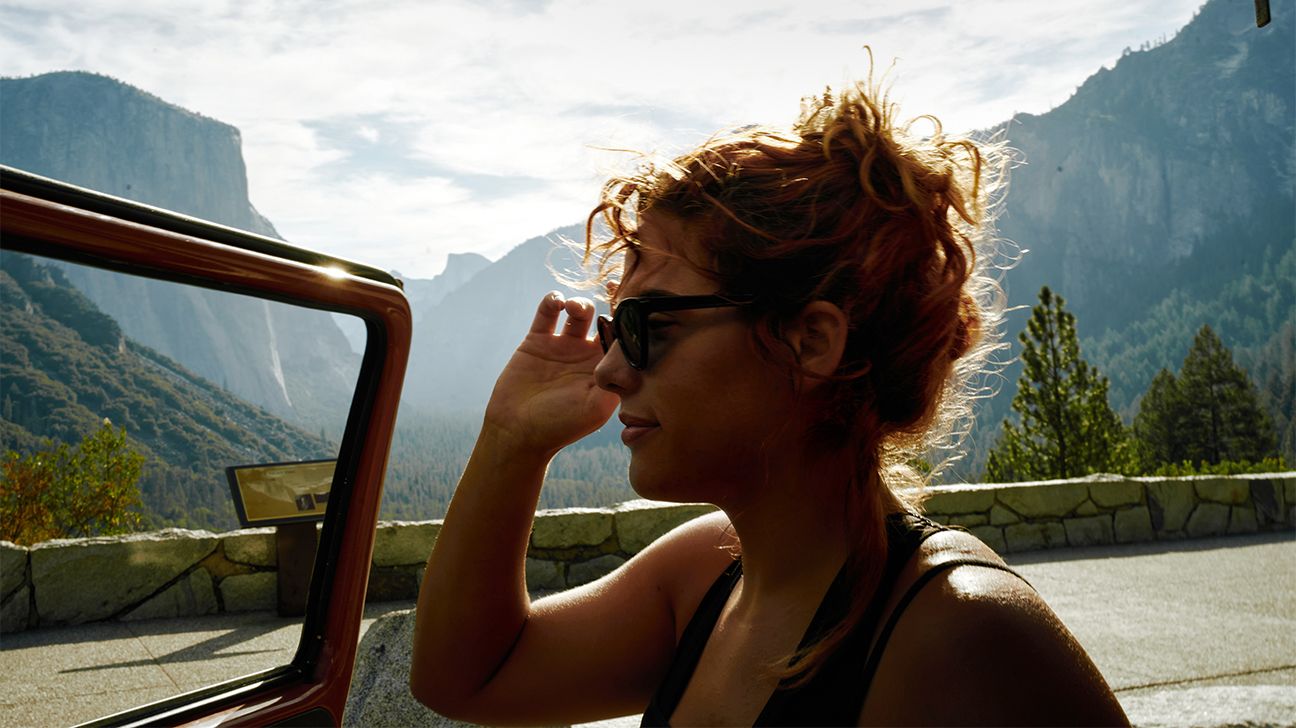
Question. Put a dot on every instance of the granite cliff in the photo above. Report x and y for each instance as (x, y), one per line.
(1174, 169)
(1159, 198)
(463, 342)
(97, 132)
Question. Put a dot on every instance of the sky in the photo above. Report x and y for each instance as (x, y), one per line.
(394, 133)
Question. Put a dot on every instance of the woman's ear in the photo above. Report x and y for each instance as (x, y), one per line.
(818, 338)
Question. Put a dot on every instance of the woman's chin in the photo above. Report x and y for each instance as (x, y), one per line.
(674, 487)
(654, 486)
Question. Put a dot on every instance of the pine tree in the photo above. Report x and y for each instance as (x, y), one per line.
(1277, 371)
(1067, 428)
(1158, 426)
(1222, 417)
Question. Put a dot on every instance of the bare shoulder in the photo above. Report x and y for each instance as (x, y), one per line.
(986, 649)
(687, 560)
(615, 636)
(678, 568)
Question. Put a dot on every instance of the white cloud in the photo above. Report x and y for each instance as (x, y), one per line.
(523, 91)
(368, 133)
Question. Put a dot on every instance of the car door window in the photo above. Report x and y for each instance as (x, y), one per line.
(168, 455)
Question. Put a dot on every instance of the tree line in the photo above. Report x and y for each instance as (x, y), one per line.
(1207, 418)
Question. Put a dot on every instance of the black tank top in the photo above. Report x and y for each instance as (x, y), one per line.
(835, 695)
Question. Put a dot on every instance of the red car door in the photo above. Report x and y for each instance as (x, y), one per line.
(64, 223)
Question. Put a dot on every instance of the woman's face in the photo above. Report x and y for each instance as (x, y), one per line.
(704, 414)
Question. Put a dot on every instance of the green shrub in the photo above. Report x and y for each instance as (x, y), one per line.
(61, 491)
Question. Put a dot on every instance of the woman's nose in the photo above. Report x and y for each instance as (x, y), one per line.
(614, 373)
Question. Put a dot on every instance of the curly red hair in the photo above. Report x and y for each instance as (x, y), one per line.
(850, 207)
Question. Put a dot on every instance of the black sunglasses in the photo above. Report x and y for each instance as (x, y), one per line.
(629, 323)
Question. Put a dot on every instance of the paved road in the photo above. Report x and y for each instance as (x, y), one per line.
(1188, 633)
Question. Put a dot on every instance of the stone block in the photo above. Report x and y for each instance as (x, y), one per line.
(1052, 499)
(1116, 493)
(190, 596)
(1102, 478)
(1087, 508)
(945, 500)
(250, 592)
(542, 574)
(584, 572)
(15, 611)
(1170, 503)
(1089, 530)
(967, 520)
(991, 536)
(1134, 525)
(398, 543)
(380, 696)
(1000, 516)
(1034, 536)
(1242, 520)
(568, 527)
(1267, 501)
(640, 522)
(253, 546)
(13, 568)
(81, 580)
(1208, 519)
(1229, 491)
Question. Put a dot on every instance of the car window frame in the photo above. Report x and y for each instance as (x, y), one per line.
(52, 219)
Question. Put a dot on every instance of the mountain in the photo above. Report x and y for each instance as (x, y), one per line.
(423, 293)
(1161, 191)
(1158, 198)
(96, 132)
(65, 366)
(462, 343)
(1172, 170)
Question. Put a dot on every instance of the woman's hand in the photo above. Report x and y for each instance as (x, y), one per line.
(546, 398)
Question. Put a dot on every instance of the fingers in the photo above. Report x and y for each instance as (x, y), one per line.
(546, 317)
(580, 314)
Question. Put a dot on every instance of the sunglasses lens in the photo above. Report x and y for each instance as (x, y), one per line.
(606, 332)
(629, 325)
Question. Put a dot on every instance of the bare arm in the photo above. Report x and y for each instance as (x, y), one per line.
(473, 603)
(482, 651)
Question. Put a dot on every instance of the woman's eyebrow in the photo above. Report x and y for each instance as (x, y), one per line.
(655, 292)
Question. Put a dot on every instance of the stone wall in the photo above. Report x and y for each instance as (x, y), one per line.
(1111, 509)
(175, 572)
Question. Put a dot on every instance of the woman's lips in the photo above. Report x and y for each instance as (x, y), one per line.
(635, 428)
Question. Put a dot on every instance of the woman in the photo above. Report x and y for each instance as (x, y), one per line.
(797, 316)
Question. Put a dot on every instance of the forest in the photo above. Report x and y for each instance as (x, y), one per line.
(65, 368)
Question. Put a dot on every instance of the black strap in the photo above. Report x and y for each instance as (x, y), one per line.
(941, 563)
(834, 695)
(689, 650)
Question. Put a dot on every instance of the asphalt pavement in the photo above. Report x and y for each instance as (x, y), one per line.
(1188, 633)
